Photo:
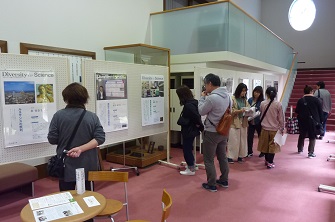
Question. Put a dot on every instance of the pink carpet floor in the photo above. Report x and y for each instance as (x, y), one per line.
(255, 194)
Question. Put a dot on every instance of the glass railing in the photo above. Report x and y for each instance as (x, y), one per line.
(219, 26)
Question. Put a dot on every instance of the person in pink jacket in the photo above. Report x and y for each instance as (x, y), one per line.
(271, 122)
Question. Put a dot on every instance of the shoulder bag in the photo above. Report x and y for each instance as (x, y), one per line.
(225, 122)
(318, 128)
(56, 163)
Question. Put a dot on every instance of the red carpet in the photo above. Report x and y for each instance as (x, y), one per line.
(255, 194)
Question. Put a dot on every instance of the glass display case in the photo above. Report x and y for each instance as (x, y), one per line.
(138, 54)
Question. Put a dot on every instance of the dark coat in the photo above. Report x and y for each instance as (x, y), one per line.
(194, 124)
(312, 107)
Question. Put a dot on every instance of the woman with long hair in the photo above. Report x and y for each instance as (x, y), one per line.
(191, 125)
(237, 142)
(254, 124)
(272, 122)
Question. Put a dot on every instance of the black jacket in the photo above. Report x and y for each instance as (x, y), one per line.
(312, 107)
(191, 114)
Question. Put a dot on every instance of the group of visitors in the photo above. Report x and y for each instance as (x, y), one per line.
(215, 100)
(238, 145)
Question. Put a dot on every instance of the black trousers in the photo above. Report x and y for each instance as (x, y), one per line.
(251, 132)
(269, 157)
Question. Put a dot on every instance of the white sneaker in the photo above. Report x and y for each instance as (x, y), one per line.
(187, 172)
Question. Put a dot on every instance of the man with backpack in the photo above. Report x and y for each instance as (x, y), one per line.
(325, 99)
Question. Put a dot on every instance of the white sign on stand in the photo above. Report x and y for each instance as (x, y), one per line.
(80, 180)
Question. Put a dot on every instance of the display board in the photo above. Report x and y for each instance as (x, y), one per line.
(134, 95)
(43, 66)
(230, 77)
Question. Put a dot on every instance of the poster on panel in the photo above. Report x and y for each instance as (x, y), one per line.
(229, 85)
(112, 101)
(28, 105)
(152, 101)
(268, 83)
(275, 84)
(257, 82)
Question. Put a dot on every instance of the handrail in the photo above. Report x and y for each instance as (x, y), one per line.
(219, 2)
(289, 74)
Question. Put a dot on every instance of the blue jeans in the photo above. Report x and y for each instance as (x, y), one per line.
(188, 151)
(325, 117)
(215, 144)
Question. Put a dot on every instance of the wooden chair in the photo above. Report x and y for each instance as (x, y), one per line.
(166, 204)
(112, 206)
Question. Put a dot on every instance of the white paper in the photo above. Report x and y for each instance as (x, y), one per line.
(57, 212)
(280, 139)
(80, 180)
(91, 201)
(51, 200)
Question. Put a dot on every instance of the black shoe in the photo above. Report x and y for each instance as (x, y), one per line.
(240, 160)
(231, 161)
(209, 188)
(222, 184)
(300, 151)
(261, 155)
(311, 155)
(250, 155)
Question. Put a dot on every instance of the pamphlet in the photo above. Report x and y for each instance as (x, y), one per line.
(51, 200)
(57, 212)
(280, 139)
(91, 201)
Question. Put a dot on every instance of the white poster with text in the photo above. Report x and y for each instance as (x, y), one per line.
(111, 101)
(28, 104)
(152, 103)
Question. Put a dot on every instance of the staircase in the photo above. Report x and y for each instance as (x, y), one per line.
(311, 77)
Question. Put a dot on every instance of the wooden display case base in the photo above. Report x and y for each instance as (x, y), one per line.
(146, 160)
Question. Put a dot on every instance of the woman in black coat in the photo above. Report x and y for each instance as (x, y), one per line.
(306, 107)
(191, 125)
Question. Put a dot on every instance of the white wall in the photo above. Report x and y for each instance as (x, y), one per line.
(76, 24)
(316, 45)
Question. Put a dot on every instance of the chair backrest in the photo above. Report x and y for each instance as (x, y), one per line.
(112, 177)
(166, 203)
(108, 176)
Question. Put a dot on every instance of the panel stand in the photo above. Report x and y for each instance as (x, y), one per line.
(167, 162)
(326, 188)
(331, 157)
(135, 169)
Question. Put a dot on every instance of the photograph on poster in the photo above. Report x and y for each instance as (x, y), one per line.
(111, 86)
(19, 92)
(152, 103)
(152, 89)
(45, 93)
(112, 102)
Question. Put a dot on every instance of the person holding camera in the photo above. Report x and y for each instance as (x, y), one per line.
(214, 102)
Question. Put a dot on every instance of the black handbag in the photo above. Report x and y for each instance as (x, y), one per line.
(182, 121)
(56, 163)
